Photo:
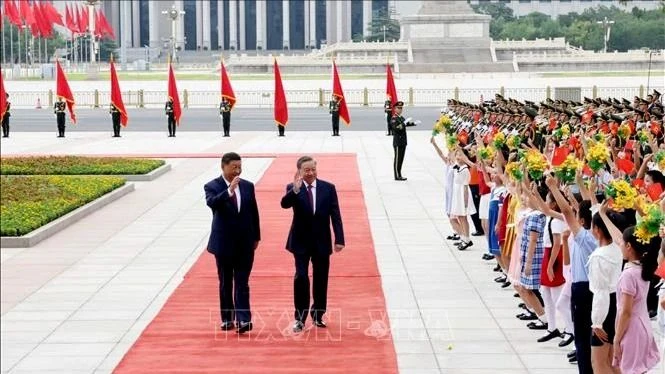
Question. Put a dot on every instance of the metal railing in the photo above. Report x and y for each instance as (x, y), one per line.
(319, 97)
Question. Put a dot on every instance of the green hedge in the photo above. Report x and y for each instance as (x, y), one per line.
(76, 165)
(29, 202)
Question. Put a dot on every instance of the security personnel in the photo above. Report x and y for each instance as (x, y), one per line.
(280, 130)
(59, 110)
(170, 117)
(225, 113)
(333, 109)
(399, 125)
(115, 119)
(388, 108)
(5, 118)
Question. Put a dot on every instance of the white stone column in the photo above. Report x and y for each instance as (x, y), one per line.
(259, 25)
(220, 25)
(207, 32)
(154, 16)
(367, 16)
(312, 23)
(339, 20)
(330, 21)
(241, 23)
(233, 25)
(285, 24)
(306, 22)
(199, 24)
(180, 29)
(136, 24)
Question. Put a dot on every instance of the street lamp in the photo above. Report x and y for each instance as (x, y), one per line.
(384, 33)
(174, 14)
(606, 31)
(91, 27)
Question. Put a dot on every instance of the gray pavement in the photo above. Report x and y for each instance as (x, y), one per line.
(197, 119)
(77, 301)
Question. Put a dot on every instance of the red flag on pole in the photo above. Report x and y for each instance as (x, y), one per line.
(281, 111)
(12, 12)
(26, 12)
(391, 91)
(173, 94)
(227, 90)
(62, 90)
(106, 28)
(3, 97)
(338, 92)
(116, 96)
(83, 19)
(53, 14)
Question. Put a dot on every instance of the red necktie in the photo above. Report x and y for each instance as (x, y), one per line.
(234, 200)
(311, 197)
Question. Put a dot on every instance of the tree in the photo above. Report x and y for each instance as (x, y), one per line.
(383, 27)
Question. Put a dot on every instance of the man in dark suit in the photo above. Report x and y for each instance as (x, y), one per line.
(234, 236)
(315, 206)
(399, 125)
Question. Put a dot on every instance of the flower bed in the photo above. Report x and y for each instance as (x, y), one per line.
(76, 165)
(29, 202)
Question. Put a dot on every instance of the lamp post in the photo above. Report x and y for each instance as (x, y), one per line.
(174, 14)
(384, 33)
(91, 28)
(607, 25)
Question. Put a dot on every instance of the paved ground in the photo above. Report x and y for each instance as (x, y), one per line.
(243, 119)
(76, 302)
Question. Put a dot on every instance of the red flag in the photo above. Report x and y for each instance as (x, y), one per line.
(3, 97)
(12, 12)
(338, 92)
(53, 14)
(559, 156)
(84, 19)
(173, 94)
(69, 21)
(625, 165)
(26, 12)
(99, 30)
(106, 27)
(553, 122)
(654, 191)
(281, 112)
(42, 23)
(76, 20)
(391, 91)
(116, 96)
(62, 90)
(227, 90)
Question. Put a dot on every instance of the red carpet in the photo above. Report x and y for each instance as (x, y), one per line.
(185, 336)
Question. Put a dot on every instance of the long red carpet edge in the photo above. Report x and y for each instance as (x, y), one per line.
(185, 337)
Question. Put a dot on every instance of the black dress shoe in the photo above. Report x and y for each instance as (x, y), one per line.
(228, 325)
(497, 268)
(521, 305)
(572, 354)
(401, 179)
(453, 237)
(549, 336)
(528, 317)
(569, 338)
(516, 294)
(505, 284)
(537, 325)
(488, 257)
(573, 360)
(298, 326)
(478, 233)
(464, 246)
(500, 279)
(244, 327)
(320, 323)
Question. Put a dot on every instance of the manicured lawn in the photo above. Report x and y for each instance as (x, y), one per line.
(76, 165)
(29, 202)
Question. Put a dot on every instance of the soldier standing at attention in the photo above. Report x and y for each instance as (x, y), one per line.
(225, 113)
(399, 125)
(170, 117)
(59, 110)
(5, 118)
(388, 108)
(115, 119)
(333, 109)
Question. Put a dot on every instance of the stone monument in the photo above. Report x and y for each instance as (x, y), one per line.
(448, 36)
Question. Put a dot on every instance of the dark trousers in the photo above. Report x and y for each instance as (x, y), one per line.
(171, 125)
(475, 195)
(280, 130)
(399, 160)
(652, 295)
(390, 129)
(226, 124)
(5, 127)
(335, 123)
(116, 127)
(580, 306)
(320, 268)
(233, 273)
(61, 124)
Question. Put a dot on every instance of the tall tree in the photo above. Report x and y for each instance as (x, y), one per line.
(383, 27)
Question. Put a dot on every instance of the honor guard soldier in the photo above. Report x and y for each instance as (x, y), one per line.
(333, 109)
(5, 118)
(59, 110)
(170, 117)
(115, 119)
(388, 108)
(280, 130)
(225, 113)
(399, 125)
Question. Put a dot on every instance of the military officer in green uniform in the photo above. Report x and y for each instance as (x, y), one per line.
(333, 109)
(115, 119)
(388, 108)
(5, 118)
(59, 110)
(398, 125)
(225, 113)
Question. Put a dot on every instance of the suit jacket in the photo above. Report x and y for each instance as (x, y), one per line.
(232, 230)
(311, 231)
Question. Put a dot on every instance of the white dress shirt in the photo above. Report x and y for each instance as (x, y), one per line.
(236, 192)
(604, 271)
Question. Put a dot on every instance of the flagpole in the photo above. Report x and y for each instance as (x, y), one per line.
(4, 57)
(11, 44)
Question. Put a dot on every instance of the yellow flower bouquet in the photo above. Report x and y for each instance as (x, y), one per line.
(514, 170)
(659, 157)
(647, 228)
(562, 132)
(536, 164)
(514, 141)
(624, 131)
(444, 124)
(568, 169)
(486, 153)
(451, 141)
(643, 136)
(499, 140)
(623, 195)
(597, 156)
